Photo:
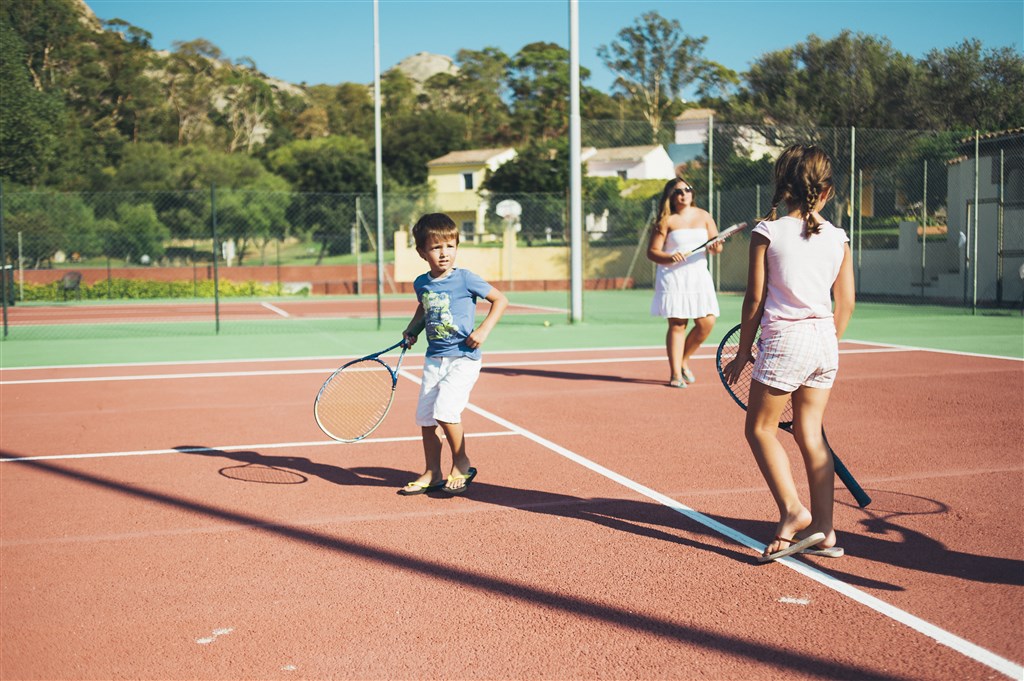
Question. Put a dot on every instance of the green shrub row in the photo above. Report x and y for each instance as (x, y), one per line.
(138, 289)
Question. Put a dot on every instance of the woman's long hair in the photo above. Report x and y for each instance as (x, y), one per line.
(665, 203)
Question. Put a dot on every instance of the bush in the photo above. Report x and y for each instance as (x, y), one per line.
(145, 289)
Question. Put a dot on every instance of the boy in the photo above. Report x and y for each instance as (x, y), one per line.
(447, 311)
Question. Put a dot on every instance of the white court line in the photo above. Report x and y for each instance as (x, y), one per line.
(329, 370)
(275, 308)
(948, 639)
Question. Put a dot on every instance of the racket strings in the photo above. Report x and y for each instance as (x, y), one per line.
(741, 388)
(355, 400)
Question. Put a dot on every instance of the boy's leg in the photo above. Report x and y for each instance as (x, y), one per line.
(808, 412)
(455, 435)
(675, 344)
(762, 426)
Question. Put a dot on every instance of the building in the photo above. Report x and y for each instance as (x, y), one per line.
(455, 180)
(649, 162)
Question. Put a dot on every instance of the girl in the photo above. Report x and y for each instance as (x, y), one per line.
(795, 262)
(683, 288)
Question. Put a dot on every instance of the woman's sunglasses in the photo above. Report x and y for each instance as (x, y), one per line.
(684, 190)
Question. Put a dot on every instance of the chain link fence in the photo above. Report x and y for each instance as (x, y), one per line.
(933, 218)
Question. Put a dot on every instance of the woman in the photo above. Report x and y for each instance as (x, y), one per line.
(683, 289)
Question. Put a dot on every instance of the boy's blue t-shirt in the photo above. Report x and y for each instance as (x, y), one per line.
(449, 311)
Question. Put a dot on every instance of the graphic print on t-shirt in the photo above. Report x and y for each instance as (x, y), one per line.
(437, 309)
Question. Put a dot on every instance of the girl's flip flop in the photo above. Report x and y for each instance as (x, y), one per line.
(795, 546)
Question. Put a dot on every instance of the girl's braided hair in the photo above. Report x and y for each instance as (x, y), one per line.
(803, 174)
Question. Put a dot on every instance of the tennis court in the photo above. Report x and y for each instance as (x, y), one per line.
(181, 516)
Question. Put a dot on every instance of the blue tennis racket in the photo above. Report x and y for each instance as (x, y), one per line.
(740, 392)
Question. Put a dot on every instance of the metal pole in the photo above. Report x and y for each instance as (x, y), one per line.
(977, 209)
(999, 234)
(757, 201)
(3, 261)
(711, 158)
(21, 270)
(357, 236)
(216, 247)
(853, 177)
(860, 224)
(377, 157)
(575, 169)
(924, 224)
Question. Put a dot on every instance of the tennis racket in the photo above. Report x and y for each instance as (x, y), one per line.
(740, 392)
(357, 397)
(721, 236)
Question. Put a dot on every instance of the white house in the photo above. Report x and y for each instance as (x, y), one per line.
(649, 162)
(691, 137)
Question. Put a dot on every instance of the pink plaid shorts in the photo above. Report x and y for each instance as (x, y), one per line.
(801, 354)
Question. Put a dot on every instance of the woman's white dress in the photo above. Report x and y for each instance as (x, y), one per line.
(685, 290)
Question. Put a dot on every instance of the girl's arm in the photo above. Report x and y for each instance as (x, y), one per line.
(415, 326)
(753, 305)
(498, 303)
(843, 291)
(657, 243)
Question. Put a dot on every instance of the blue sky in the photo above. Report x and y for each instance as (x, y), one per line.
(331, 41)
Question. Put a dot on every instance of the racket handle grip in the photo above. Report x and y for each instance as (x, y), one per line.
(851, 483)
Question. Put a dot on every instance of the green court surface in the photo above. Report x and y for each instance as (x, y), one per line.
(610, 319)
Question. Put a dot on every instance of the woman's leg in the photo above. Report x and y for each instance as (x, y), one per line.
(701, 330)
(675, 342)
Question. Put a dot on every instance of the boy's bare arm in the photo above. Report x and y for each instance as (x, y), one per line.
(415, 326)
(498, 303)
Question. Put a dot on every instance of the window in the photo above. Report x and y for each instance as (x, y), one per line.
(468, 230)
(467, 181)
(621, 174)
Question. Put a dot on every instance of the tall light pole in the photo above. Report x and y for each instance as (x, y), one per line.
(377, 157)
(575, 170)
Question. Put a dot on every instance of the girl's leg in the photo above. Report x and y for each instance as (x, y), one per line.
(701, 330)
(460, 462)
(432, 455)
(808, 412)
(675, 342)
(762, 427)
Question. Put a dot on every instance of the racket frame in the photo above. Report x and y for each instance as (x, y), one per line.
(842, 472)
(721, 236)
(375, 357)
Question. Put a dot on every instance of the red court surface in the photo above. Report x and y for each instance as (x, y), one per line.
(191, 522)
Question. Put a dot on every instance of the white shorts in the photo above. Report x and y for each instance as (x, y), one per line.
(801, 354)
(444, 393)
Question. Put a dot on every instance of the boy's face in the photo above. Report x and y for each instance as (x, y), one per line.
(439, 252)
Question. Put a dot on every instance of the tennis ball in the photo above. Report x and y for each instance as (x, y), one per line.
(547, 323)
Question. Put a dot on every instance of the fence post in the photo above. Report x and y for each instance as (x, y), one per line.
(999, 234)
(216, 277)
(853, 196)
(3, 260)
(924, 224)
(977, 209)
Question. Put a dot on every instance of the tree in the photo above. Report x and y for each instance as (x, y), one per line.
(136, 232)
(30, 120)
(654, 61)
(539, 80)
(970, 87)
(406, 149)
(482, 86)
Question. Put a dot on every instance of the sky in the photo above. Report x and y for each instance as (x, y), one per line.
(331, 41)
